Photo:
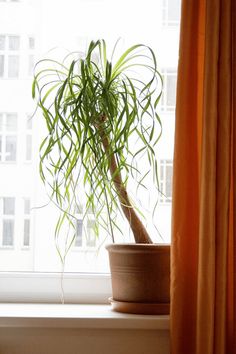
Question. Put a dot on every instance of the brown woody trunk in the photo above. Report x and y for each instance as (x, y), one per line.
(138, 229)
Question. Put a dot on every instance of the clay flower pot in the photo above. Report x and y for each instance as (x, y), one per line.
(140, 276)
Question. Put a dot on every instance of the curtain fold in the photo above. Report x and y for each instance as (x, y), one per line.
(203, 214)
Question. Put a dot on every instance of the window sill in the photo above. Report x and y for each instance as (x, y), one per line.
(75, 316)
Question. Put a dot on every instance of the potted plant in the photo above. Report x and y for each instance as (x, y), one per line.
(102, 123)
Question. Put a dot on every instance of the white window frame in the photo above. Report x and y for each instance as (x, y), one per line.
(46, 287)
(55, 287)
(25, 54)
(6, 52)
(10, 1)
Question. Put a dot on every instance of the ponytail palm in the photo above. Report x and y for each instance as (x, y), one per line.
(101, 119)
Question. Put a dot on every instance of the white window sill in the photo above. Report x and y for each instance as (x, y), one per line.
(75, 316)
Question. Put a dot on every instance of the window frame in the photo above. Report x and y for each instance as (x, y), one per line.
(166, 22)
(25, 53)
(40, 287)
(10, 1)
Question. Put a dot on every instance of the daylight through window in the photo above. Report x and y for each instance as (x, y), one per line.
(28, 240)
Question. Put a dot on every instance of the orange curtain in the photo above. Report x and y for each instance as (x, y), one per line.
(203, 256)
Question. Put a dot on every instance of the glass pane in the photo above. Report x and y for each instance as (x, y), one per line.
(31, 42)
(171, 90)
(8, 206)
(28, 147)
(14, 42)
(174, 10)
(1, 65)
(2, 42)
(161, 171)
(8, 233)
(13, 65)
(79, 231)
(26, 232)
(11, 148)
(91, 237)
(26, 206)
(22, 148)
(11, 122)
(31, 64)
(169, 170)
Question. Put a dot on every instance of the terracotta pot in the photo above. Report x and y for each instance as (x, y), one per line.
(140, 276)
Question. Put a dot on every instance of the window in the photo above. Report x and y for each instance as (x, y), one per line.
(7, 205)
(14, 42)
(171, 12)
(27, 217)
(8, 137)
(11, 215)
(9, 56)
(169, 89)
(166, 170)
(85, 235)
(17, 55)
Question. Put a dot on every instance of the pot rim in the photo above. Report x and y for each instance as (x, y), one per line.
(138, 247)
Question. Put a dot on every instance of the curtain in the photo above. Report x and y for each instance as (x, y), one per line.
(203, 255)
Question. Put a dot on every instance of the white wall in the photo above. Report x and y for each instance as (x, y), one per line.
(83, 341)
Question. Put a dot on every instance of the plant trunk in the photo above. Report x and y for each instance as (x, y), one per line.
(139, 231)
